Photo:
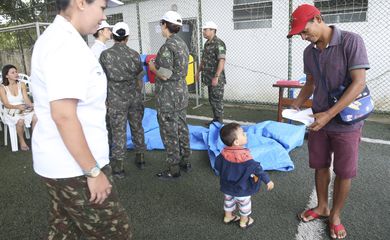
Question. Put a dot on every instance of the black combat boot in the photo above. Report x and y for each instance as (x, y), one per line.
(173, 172)
(139, 160)
(185, 165)
(119, 174)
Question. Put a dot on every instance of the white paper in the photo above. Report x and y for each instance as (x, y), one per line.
(304, 116)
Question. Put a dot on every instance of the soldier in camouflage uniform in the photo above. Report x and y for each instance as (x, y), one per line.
(212, 68)
(124, 71)
(171, 66)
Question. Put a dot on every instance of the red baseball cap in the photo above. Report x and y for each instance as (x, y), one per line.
(300, 17)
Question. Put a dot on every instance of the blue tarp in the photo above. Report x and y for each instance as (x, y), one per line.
(269, 141)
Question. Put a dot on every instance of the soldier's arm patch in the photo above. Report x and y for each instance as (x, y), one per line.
(221, 50)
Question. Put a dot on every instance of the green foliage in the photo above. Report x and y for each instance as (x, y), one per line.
(20, 12)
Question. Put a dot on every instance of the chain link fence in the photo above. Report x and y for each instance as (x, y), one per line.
(258, 52)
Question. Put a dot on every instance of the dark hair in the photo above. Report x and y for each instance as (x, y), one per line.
(121, 36)
(5, 71)
(64, 4)
(228, 133)
(96, 34)
(172, 28)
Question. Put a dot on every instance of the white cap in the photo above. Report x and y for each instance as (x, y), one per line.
(118, 26)
(173, 17)
(210, 24)
(104, 24)
(114, 3)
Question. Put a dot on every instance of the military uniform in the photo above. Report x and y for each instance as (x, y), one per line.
(102, 221)
(172, 100)
(124, 71)
(214, 50)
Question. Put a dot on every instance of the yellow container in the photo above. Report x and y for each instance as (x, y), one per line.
(190, 78)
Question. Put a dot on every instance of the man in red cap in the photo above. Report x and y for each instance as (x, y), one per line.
(333, 58)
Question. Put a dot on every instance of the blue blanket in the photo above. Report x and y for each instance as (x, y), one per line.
(269, 141)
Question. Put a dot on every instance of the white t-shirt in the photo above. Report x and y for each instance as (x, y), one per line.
(97, 48)
(64, 67)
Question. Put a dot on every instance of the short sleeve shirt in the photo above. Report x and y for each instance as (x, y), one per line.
(214, 50)
(345, 52)
(64, 67)
(98, 47)
(123, 67)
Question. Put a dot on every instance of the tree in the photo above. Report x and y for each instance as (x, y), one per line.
(18, 12)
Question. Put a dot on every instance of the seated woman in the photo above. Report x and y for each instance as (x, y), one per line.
(18, 107)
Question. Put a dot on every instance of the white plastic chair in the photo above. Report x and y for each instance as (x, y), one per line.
(26, 80)
(11, 127)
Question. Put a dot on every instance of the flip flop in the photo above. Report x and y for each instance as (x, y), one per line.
(232, 220)
(310, 212)
(249, 222)
(336, 230)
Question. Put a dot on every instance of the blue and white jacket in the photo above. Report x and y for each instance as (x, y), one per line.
(240, 175)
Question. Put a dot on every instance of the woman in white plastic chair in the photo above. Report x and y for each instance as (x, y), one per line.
(18, 107)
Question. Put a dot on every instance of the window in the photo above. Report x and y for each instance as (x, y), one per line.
(114, 18)
(338, 11)
(248, 14)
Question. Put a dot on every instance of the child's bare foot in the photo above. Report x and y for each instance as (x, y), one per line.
(246, 222)
(230, 219)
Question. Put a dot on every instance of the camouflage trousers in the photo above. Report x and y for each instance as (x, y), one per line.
(175, 135)
(72, 216)
(216, 100)
(118, 125)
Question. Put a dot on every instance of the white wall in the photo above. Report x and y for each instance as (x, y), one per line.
(257, 58)
(152, 11)
(130, 17)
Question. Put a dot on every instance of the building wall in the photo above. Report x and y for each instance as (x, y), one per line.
(257, 58)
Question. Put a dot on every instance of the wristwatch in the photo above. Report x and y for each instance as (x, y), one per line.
(93, 172)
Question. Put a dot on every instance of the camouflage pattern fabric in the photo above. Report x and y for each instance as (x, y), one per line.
(172, 94)
(216, 101)
(124, 71)
(174, 135)
(214, 50)
(72, 216)
(172, 99)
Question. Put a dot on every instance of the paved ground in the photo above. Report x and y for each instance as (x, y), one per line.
(191, 208)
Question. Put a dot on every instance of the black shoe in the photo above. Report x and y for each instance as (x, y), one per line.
(139, 161)
(213, 121)
(140, 165)
(120, 174)
(168, 175)
(186, 167)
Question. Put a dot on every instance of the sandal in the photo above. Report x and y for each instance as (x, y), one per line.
(337, 229)
(249, 222)
(231, 220)
(310, 213)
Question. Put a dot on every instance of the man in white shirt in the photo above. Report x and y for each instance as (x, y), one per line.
(102, 35)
